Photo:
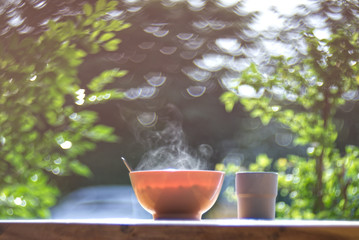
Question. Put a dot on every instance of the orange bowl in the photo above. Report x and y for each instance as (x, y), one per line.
(177, 194)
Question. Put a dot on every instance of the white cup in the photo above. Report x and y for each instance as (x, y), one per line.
(256, 193)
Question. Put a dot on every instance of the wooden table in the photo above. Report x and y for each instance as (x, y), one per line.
(187, 230)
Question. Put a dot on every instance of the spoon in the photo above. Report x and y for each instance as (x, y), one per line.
(125, 162)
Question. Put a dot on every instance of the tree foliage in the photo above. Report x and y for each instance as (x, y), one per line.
(304, 95)
(45, 123)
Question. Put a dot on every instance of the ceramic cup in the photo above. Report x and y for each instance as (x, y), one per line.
(256, 194)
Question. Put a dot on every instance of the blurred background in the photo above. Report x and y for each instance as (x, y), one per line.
(160, 93)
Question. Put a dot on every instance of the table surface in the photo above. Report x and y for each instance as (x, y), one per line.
(205, 229)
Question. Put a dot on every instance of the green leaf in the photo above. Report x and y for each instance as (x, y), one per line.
(95, 48)
(80, 53)
(87, 117)
(254, 167)
(123, 26)
(220, 167)
(100, 24)
(263, 161)
(87, 8)
(106, 77)
(111, 5)
(100, 5)
(80, 169)
(116, 25)
(101, 133)
(229, 99)
(94, 34)
(266, 118)
(105, 37)
(355, 37)
(112, 45)
(257, 113)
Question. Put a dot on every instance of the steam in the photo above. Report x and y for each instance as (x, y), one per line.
(169, 149)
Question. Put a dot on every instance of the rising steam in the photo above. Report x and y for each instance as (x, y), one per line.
(169, 149)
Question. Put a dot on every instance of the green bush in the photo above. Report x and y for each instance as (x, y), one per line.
(323, 184)
(44, 121)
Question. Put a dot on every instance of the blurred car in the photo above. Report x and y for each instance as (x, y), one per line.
(100, 202)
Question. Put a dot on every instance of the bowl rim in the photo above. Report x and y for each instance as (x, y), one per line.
(175, 170)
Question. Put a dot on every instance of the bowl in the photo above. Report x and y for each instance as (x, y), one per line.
(177, 194)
